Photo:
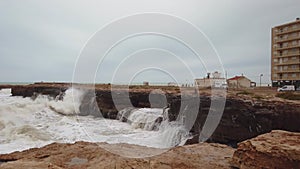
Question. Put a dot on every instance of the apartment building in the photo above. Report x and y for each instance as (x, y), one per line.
(285, 63)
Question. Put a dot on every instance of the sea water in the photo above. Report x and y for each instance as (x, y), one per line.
(26, 123)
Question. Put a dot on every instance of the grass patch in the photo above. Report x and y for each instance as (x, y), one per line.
(257, 97)
(288, 95)
(244, 92)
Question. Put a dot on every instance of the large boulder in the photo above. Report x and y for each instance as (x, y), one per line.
(277, 149)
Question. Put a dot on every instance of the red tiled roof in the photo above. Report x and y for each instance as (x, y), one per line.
(236, 77)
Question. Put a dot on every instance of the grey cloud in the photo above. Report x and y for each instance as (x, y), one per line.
(41, 40)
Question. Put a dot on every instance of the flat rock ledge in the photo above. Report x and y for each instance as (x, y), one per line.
(277, 149)
(91, 155)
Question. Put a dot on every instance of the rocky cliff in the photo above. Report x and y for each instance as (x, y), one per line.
(244, 119)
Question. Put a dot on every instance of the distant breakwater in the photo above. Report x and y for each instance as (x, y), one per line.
(242, 119)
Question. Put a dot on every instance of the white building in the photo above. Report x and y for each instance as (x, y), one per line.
(215, 81)
(239, 82)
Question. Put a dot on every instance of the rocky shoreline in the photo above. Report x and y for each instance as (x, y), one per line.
(252, 127)
(243, 118)
(277, 149)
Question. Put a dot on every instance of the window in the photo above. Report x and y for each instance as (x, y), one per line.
(275, 60)
(294, 34)
(294, 58)
(294, 66)
(285, 52)
(294, 50)
(285, 67)
(275, 68)
(285, 75)
(294, 43)
(294, 75)
(285, 59)
(275, 75)
(295, 26)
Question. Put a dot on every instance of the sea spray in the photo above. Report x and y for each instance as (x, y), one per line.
(70, 103)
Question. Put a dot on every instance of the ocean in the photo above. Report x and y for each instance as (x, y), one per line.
(26, 123)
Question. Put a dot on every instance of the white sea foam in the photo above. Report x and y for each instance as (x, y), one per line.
(5, 92)
(27, 123)
(168, 134)
(145, 118)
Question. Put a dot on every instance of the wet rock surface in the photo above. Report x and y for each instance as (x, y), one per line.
(277, 149)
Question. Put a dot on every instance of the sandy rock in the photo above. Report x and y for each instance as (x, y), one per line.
(277, 149)
(90, 155)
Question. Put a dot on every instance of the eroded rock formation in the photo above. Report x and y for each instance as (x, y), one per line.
(277, 149)
(243, 119)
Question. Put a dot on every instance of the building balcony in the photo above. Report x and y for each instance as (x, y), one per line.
(287, 71)
(287, 39)
(287, 47)
(290, 30)
(287, 55)
(293, 62)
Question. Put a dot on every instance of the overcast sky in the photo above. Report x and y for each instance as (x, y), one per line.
(41, 40)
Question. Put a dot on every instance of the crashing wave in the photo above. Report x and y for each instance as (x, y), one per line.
(143, 118)
(68, 103)
(171, 133)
